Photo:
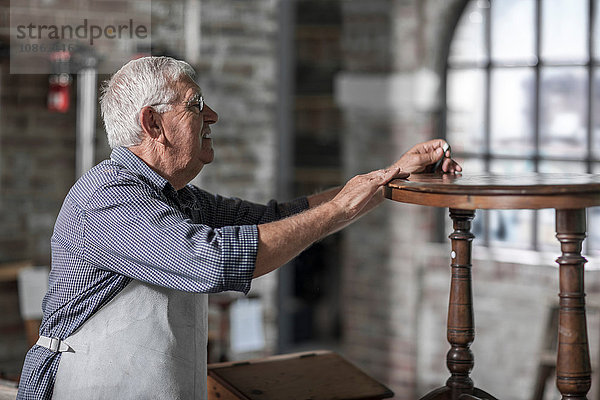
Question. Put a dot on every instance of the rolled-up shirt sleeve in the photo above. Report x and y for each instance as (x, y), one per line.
(223, 211)
(148, 239)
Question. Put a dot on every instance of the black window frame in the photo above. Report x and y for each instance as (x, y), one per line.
(591, 66)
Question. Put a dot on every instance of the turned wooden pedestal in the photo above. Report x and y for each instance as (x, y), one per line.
(570, 195)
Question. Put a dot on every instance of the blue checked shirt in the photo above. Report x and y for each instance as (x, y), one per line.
(123, 221)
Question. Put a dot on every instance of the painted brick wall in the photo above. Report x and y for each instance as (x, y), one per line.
(237, 70)
(36, 168)
(37, 149)
(380, 294)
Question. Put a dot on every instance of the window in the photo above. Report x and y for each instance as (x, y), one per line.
(523, 81)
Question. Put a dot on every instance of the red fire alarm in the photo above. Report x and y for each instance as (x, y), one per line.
(59, 92)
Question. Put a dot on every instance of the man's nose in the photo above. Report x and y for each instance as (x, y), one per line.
(210, 116)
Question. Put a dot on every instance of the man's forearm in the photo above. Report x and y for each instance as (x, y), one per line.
(321, 197)
(280, 241)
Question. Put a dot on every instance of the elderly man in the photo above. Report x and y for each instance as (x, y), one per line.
(135, 248)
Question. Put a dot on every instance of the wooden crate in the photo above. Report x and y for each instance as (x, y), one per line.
(316, 375)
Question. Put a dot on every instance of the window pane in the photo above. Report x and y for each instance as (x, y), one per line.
(511, 228)
(547, 230)
(511, 166)
(512, 112)
(472, 165)
(465, 110)
(564, 30)
(593, 224)
(546, 225)
(468, 41)
(478, 226)
(557, 167)
(513, 30)
(596, 30)
(563, 112)
(593, 216)
(596, 115)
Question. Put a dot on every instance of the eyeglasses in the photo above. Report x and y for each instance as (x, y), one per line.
(196, 101)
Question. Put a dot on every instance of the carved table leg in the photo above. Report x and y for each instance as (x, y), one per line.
(573, 371)
(461, 330)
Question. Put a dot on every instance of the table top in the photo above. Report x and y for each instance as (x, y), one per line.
(496, 191)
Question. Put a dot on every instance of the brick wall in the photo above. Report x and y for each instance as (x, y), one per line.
(237, 72)
(37, 168)
(37, 158)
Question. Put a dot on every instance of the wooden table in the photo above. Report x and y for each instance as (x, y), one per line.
(569, 194)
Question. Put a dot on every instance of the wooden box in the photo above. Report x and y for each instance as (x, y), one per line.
(316, 375)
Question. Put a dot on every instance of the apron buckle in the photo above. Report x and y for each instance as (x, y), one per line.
(54, 344)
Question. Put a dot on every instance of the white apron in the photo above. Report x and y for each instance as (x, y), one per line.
(147, 343)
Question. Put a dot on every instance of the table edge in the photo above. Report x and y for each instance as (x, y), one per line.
(496, 201)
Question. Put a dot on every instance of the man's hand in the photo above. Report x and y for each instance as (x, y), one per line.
(424, 154)
(358, 191)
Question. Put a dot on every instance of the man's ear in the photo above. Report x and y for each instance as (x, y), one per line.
(151, 123)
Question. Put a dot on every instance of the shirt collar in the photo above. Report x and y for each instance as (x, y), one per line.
(124, 157)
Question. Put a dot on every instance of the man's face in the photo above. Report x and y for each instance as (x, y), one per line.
(187, 131)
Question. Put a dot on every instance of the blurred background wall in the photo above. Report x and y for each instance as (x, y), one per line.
(310, 93)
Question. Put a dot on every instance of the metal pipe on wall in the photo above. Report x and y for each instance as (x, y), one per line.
(86, 118)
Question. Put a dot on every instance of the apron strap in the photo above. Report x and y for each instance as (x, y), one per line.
(55, 345)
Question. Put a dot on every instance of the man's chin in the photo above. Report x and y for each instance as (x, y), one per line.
(207, 158)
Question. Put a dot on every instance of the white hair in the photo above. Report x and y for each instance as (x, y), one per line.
(139, 83)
